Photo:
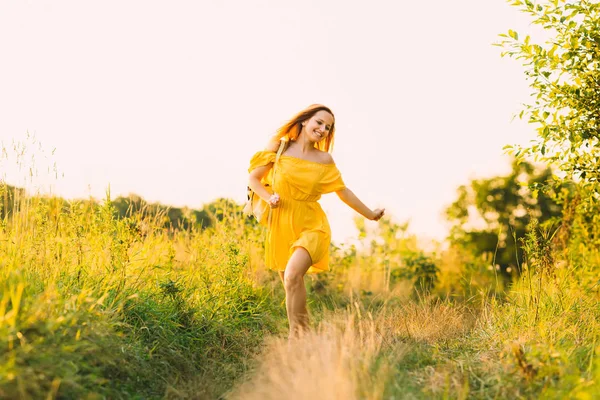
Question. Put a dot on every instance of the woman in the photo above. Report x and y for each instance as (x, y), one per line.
(299, 235)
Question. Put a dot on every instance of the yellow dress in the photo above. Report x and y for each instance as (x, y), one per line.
(299, 221)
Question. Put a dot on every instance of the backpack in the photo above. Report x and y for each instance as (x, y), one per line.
(255, 205)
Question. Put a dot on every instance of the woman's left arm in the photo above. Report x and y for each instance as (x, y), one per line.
(348, 197)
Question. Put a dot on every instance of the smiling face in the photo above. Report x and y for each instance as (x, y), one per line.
(318, 127)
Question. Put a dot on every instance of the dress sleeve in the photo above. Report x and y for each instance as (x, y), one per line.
(261, 158)
(332, 180)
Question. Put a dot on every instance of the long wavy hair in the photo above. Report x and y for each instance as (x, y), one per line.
(293, 127)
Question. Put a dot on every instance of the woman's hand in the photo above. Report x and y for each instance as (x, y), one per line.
(274, 201)
(377, 214)
(348, 197)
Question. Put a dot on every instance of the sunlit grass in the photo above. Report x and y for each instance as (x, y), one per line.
(93, 304)
(343, 358)
(96, 306)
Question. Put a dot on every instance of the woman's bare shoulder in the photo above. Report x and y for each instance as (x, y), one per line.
(325, 157)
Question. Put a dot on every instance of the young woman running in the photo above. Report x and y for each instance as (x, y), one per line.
(299, 236)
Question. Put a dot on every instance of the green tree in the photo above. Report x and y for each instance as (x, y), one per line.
(491, 215)
(168, 217)
(128, 206)
(565, 78)
(222, 207)
(9, 199)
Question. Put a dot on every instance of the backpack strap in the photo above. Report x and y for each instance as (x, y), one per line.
(283, 141)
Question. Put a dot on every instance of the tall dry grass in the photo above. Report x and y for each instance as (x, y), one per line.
(351, 354)
(341, 359)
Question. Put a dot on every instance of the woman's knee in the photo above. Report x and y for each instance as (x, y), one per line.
(292, 280)
(299, 263)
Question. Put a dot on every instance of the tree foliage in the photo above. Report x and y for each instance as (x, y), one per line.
(565, 78)
(8, 196)
(491, 215)
(174, 217)
(132, 206)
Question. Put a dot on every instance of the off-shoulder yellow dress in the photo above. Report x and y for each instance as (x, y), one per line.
(299, 221)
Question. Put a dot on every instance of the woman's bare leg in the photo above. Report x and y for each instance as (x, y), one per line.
(295, 291)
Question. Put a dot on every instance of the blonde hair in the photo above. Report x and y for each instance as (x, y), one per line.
(293, 127)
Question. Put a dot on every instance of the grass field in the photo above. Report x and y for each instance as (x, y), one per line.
(92, 306)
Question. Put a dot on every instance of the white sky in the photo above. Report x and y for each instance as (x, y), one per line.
(169, 100)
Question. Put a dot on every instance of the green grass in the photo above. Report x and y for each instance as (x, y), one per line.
(90, 307)
(97, 307)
